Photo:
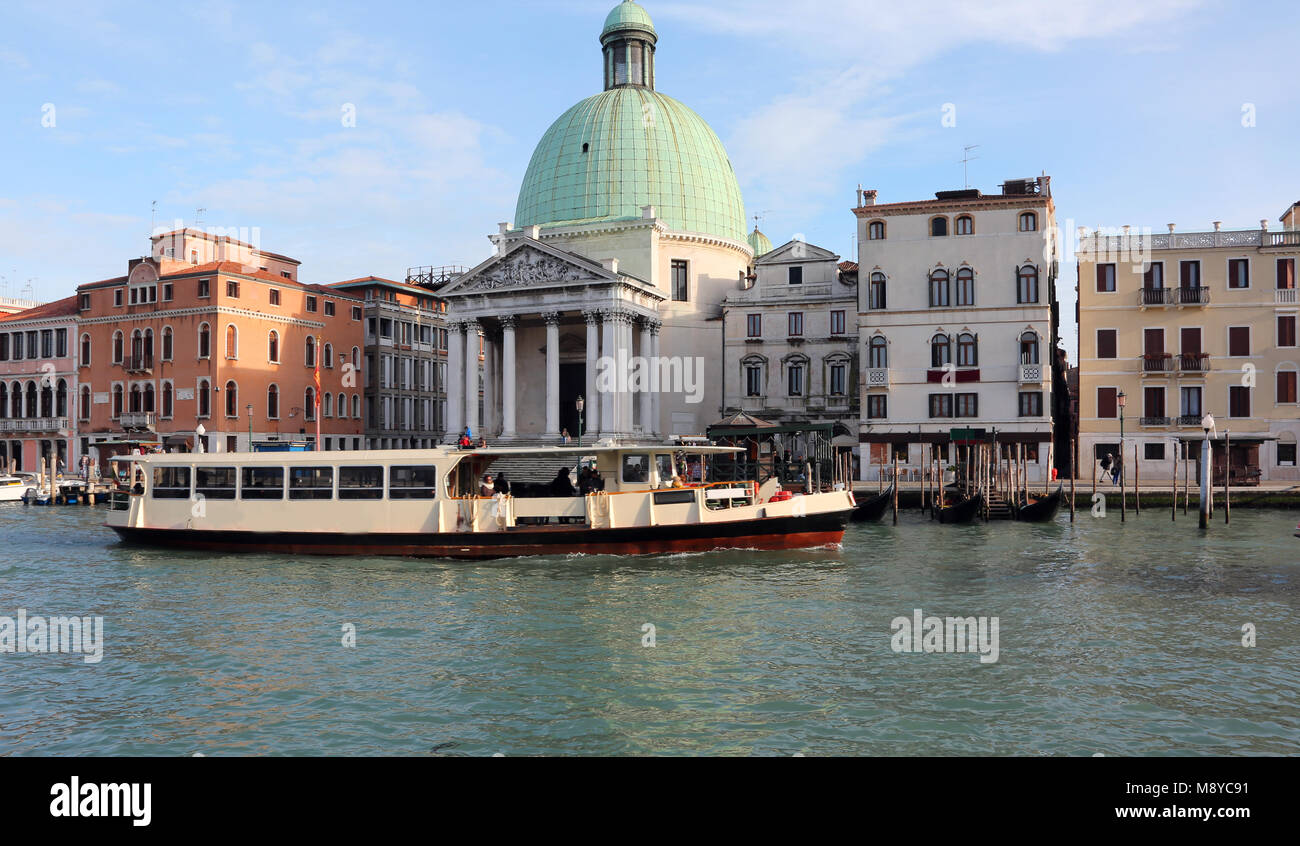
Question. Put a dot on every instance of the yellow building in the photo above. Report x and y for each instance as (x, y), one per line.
(1174, 326)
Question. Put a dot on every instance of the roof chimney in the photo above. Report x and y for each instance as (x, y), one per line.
(869, 197)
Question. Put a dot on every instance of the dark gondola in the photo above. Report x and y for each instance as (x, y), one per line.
(873, 508)
(963, 511)
(1042, 510)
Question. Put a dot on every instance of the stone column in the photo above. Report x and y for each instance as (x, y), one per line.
(624, 363)
(552, 319)
(655, 427)
(472, 334)
(455, 378)
(591, 421)
(508, 378)
(646, 408)
(607, 352)
(489, 383)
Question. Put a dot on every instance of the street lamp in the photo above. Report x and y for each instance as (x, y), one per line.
(1207, 424)
(250, 427)
(580, 405)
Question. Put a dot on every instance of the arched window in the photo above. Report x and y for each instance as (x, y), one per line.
(876, 291)
(204, 398)
(1029, 348)
(85, 350)
(356, 406)
(938, 227)
(47, 401)
(967, 350)
(878, 352)
(167, 350)
(148, 399)
(16, 400)
(796, 376)
(205, 341)
(148, 346)
(940, 351)
(328, 350)
(835, 374)
(356, 357)
(83, 410)
(118, 352)
(232, 341)
(754, 371)
(273, 402)
(4, 400)
(965, 286)
(61, 399)
(117, 401)
(876, 230)
(310, 354)
(1027, 284)
(232, 399)
(327, 405)
(939, 289)
(309, 403)
(137, 401)
(168, 400)
(965, 225)
(273, 347)
(1028, 222)
(137, 348)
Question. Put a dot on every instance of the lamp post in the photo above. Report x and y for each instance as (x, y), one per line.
(1207, 424)
(580, 405)
(1122, 399)
(250, 427)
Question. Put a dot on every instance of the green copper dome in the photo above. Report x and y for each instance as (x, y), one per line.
(759, 243)
(630, 147)
(627, 15)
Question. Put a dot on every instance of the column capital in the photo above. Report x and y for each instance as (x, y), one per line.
(508, 321)
(552, 318)
(593, 317)
(652, 325)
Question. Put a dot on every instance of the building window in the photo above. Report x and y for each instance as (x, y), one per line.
(1153, 402)
(1286, 455)
(85, 348)
(232, 341)
(876, 230)
(205, 341)
(795, 323)
(1029, 348)
(796, 275)
(967, 350)
(1107, 403)
(876, 291)
(309, 403)
(1031, 404)
(839, 379)
(274, 295)
(205, 288)
(1238, 401)
(754, 380)
(939, 289)
(1028, 222)
(754, 325)
(232, 399)
(83, 403)
(1106, 278)
(327, 359)
(1239, 340)
(311, 304)
(203, 399)
(1106, 343)
(938, 227)
(329, 308)
(1154, 452)
(356, 313)
(965, 287)
(877, 406)
(85, 302)
(1190, 402)
(117, 401)
(168, 400)
(167, 343)
(940, 351)
(1285, 276)
(310, 352)
(1027, 284)
(1238, 273)
(1153, 278)
(167, 292)
(1189, 274)
(1286, 330)
(965, 225)
(118, 345)
(878, 353)
(940, 405)
(794, 376)
(1286, 387)
(837, 323)
(117, 297)
(273, 347)
(232, 289)
(968, 405)
(681, 286)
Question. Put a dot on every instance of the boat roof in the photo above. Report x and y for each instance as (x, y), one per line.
(415, 456)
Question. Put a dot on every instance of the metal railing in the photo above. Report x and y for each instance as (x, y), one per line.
(1156, 421)
(1193, 362)
(138, 363)
(1155, 296)
(137, 419)
(1189, 420)
(1157, 363)
(34, 424)
(434, 277)
(1193, 296)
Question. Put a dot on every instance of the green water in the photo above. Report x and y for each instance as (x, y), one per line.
(1120, 639)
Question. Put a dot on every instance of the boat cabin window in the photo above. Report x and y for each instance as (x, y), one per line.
(214, 482)
(666, 473)
(361, 483)
(263, 483)
(412, 482)
(171, 483)
(636, 468)
(311, 483)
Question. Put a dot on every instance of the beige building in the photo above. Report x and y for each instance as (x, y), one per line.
(1176, 325)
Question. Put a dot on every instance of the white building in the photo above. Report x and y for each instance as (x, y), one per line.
(957, 322)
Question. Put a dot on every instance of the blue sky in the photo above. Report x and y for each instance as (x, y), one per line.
(1135, 109)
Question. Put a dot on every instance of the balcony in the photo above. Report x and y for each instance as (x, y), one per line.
(138, 419)
(1155, 297)
(1284, 296)
(1189, 420)
(1030, 374)
(1193, 296)
(1157, 421)
(1193, 362)
(138, 364)
(35, 424)
(1158, 363)
(878, 377)
(1286, 238)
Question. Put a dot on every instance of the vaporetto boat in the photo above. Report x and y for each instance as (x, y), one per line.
(426, 503)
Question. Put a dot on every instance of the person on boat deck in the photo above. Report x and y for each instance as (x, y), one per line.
(501, 486)
(676, 482)
(560, 485)
(597, 480)
(584, 481)
(465, 442)
(485, 487)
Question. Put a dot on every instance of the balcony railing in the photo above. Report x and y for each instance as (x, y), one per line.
(138, 363)
(137, 419)
(1189, 420)
(35, 424)
(1193, 296)
(1156, 296)
(878, 377)
(1287, 238)
(1156, 421)
(1031, 374)
(1284, 296)
(1157, 363)
(1193, 362)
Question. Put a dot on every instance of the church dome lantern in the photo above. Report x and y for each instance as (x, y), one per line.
(628, 41)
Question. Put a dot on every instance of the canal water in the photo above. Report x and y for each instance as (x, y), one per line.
(1119, 639)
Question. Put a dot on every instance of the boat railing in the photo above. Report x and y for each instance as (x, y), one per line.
(119, 500)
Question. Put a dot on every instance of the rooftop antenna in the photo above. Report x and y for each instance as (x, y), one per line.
(760, 216)
(966, 159)
(198, 218)
(153, 218)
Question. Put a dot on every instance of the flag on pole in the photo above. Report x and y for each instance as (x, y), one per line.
(316, 398)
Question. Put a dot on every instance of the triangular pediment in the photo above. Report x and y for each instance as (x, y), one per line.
(531, 264)
(797, 251)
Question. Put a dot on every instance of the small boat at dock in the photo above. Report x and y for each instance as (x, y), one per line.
(1043, 509)
(962, 511)
(874, 507)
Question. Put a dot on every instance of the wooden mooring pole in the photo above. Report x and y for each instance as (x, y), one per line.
(1227, 477)
(1074, 466)
(895, 488)
(1137, 492)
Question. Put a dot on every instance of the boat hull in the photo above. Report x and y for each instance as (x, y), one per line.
(873, 508)
(764, 533)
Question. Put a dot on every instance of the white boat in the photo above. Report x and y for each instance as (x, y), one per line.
(12, 488)
(426, 503)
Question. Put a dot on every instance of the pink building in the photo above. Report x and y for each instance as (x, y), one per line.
(38, 382)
